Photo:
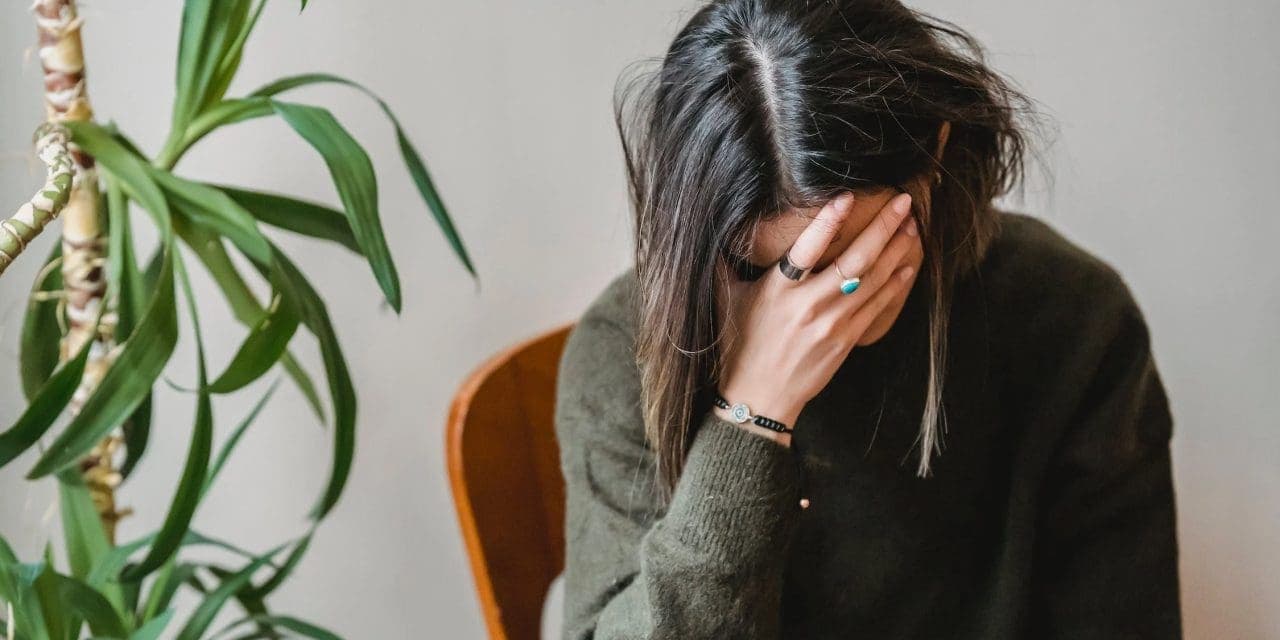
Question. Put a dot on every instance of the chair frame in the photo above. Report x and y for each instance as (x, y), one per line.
(490, 399)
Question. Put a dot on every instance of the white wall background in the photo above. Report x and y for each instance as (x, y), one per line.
(1165, 167)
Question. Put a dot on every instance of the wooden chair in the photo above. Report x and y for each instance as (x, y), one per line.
(504, 468)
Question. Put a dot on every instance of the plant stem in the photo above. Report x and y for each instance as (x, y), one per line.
(66, 99)
(23, 227)
(168, 156)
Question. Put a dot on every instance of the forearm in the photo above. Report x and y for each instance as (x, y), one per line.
(712, 566)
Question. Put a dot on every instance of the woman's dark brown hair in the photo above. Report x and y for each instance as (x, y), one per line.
(761, 106)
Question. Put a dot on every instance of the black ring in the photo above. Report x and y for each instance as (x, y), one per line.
(791, 271)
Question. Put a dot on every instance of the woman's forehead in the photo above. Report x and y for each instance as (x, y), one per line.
(773, 236)
(789, 224)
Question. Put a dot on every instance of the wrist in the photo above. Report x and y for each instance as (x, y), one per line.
(745, 414)
(783, 439)
(771, 403)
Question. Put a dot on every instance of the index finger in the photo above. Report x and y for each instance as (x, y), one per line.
(858, 257)
(817, 236)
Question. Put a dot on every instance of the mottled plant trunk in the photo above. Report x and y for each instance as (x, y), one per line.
(20, 229)
(83, 246)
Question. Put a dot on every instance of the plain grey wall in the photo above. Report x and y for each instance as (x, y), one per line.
(1165, 166)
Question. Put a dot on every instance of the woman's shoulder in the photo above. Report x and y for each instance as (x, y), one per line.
(1034, 273)
(599, 380)
(1068, 332)
(1033, 249)
(614, 310)
(1053, 308)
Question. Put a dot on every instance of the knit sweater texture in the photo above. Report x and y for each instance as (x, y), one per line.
(1049, 514)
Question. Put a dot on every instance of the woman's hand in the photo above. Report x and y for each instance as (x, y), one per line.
(787, 338)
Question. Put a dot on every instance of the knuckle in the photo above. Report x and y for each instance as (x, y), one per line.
(826, 327)
(901, 245)
(808, 315)
(887, 224)
(884, 277)
(855, 264)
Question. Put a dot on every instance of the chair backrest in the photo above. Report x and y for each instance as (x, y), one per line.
(504, 468)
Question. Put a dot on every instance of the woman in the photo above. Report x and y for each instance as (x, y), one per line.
(841, 394)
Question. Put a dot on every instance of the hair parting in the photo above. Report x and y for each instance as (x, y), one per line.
(763, 106)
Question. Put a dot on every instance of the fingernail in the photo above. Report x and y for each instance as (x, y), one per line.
(906, 272)
(911, 227)
(903, 204)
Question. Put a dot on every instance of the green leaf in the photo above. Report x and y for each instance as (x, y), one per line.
(221, 114)
(165, 585)
(412, 159)
(203, 616)
(426, 187)
(357, 186)
(283, 572)
(266, 343)
(61, 622)
(17, 587)
(123, 275)
(137, 433)
(191, 51)
(111, 129)
(208, 247)
(251, 605)
(210, 207)
(128, 382)
(229, 62)
(115, 559)
(84, 603)
(40, 330)
(209, 30)
(305, 629)
(125, 278)
(7, 559)
(44, 408)
(196, 583)
(229, 446)
(109, 565)
(126, 165)
(132, 593)
(152, 273)
(196, 538)
(153, 628)
(303, 381)
(85, 538)
(314, 314)
(125, 385)
(258, 104)
(306, 218)
(191, 484)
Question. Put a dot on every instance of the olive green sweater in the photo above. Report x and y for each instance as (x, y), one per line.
(1050, 513)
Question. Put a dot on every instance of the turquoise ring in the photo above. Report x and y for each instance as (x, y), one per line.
(847, 285)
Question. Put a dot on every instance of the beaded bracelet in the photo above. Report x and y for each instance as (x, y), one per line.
(742, 413)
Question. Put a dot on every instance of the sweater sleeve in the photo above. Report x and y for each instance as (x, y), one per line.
(1107, 565)
(709, 563)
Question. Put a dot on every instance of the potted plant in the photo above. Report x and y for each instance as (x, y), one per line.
(104, 317)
